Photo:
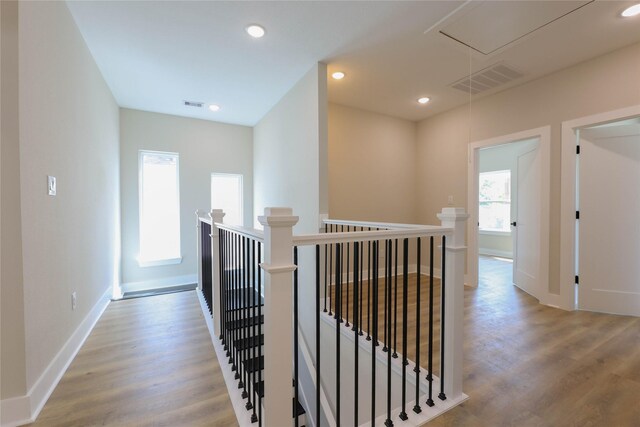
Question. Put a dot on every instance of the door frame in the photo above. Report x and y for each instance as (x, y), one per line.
(544, 136)
(568, 288)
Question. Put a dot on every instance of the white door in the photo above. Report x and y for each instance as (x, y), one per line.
(609, 224)
(526, 232)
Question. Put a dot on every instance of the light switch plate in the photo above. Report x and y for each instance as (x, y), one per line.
(51, 185)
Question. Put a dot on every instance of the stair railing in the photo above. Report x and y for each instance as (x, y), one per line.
(266, 262)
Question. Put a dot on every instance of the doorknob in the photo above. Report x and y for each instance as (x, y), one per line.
(513, 223)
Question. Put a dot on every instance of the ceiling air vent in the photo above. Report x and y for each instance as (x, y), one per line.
(489, 78)
(194, 104)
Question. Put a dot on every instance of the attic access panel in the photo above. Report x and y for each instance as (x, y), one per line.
(492, 25)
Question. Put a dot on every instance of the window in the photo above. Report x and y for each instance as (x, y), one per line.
(226, 194)
(495, 201)
(159, 208)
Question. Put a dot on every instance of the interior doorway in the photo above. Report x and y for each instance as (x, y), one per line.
(607, 232)
(509, 208)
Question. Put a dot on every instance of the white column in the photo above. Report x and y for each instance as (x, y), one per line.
(216, 215)
(278, 315)
(455, 218)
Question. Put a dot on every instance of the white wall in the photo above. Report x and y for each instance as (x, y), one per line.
(12, 347)
(502, 157)
(204, 147)
(67, 127)
(605, 83)
(372, 166)
(288, 143)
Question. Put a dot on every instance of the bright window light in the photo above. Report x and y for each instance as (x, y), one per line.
(226, 194)
(159, 208)
(495, 201)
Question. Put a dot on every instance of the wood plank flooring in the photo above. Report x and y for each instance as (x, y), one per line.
(148, 362)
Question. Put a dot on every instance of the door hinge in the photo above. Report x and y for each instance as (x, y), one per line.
(577, 149)
(577, 280)
(577, 214)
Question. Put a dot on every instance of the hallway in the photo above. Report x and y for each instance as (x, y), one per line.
(148, 362)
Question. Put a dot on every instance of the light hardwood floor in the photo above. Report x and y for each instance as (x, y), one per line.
(148, 362)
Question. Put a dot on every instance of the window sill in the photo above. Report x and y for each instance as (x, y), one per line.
(494, 232)
(158, 262)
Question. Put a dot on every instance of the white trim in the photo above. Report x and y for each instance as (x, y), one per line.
(544, 136)
(566, 299)
(495, 252)
(25, 409)
(159, 283)
(494, 232)
(158, 262)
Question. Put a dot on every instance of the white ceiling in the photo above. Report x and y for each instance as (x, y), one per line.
(154, 55)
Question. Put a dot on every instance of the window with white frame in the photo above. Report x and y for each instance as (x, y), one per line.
(226, 194)
(159, 193)
(495, 201)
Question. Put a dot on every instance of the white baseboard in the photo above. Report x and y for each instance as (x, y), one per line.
(495, 252)
(159, 283)
(25, 409)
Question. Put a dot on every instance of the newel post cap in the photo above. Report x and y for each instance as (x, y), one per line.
(278, 217)
(216, 215)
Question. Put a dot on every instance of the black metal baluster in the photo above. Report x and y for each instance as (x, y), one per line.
(386, 343)
(331, 297)
(221, 274)
(339, 300)
(374, 332)
(430, 355)
(250, 336)
(369, 290)
(325, 273)
(361, 277)
(236, 308)
(442, 396)
(295, 336)
(416, 408)
(356, 254)
(256, 326)
(347, 284)
(232, 304)
(338, 309)
(387, 268)
(243, 332)
(318, 323)
(405, 285)
(227, 284)
(395, 304)
(260, 328)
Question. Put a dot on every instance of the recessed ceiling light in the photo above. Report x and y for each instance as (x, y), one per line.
(255, 31)
(423, 100)
(338, 75)
(632, 11)
(214, 107)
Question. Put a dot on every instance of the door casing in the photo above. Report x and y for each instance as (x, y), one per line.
(544, 136)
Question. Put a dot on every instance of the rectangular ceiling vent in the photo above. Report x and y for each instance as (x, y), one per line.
(489, 78)
(194, 104)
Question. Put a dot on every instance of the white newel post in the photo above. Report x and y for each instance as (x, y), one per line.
(456, 219)
(278, 315)
(216, 215)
